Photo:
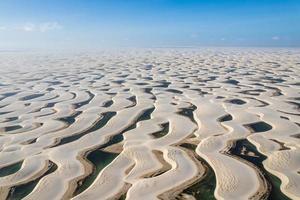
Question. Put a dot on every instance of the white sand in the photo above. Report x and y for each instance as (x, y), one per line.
(268, 84)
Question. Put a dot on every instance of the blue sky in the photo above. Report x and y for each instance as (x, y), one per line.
(90, 24)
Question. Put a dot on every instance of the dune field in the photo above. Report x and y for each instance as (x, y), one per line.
(150, 124)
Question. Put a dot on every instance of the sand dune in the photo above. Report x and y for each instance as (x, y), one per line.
(150, 124)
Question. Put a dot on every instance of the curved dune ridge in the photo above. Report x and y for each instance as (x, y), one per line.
(150, 124)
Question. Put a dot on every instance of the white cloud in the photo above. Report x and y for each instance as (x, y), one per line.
(28, 27)
(3, 28)
(275, 38)
(41, 27)
(48, 26)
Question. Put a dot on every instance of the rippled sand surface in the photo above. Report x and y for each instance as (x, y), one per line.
(150, 124)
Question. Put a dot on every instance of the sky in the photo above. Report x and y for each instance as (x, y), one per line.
(93, 24)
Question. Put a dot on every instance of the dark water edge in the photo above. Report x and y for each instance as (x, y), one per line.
(8, 170)
(12, 128)
(70, 119)
(80, 104)
(258, 127)
(275, 193)
(163, 132)
(204, 187)
(100, 159)
(225, 118)
(188, 112)
(21, 191)
(236, 101)
(99, 124)
(30, 97)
